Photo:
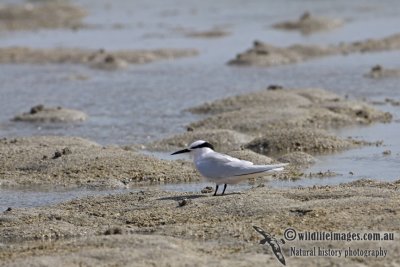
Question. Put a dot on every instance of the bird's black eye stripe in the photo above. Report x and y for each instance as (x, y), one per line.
(205, 144)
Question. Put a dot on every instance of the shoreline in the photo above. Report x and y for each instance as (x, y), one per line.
(116, 220)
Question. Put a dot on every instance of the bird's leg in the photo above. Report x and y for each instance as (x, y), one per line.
(224, 189)
(216, 189)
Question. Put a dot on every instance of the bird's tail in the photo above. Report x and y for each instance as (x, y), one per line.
(274, 167)
(256, 170)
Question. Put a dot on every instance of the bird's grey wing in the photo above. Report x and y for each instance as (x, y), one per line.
(216, 165)
(222, 166)
(227, 159)
(234, 162)
(239, 169)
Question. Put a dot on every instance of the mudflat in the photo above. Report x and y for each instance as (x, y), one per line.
(267, 55)
(153, 227)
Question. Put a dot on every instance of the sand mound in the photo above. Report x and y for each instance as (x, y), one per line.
(308, 24)
(260, 112)
(378, 72)
(41, 14)
(223, 140)
(99, 59)
(298, 159)
(151, 228)
(75, 161)
(267, 55)
(41, 113)
(298, 139)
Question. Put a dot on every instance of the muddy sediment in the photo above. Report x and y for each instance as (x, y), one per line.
(267, 55)
(151, 227)
(223, 140)
(298, 139)
(308, 24)
(284, 124)
(379, 71)
(215, 231)
(298, 158)
(154, 227)
(269, 110)
(41, 113)
(71, 161)
(100, 59)
(36, 15)
(287, 125)
(271, 98)
(212, 33)
(77, 162)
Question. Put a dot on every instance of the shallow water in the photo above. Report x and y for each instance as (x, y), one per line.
(146, 102)
(40, 196)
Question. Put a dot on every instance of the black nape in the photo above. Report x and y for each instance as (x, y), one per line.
(205, 144)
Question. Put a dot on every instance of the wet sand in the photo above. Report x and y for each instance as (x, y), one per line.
(308, 24)
(155, 227)
(237, 123)
(152, 227)
(212, 33)
(379, 72)
(267, 55)
(98, 59)
(40, 113)
(223, 140)
(73, 161)
(295, 121)
(36, 15)
(288, 125)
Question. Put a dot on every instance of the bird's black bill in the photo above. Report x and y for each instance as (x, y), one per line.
(181, 151)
